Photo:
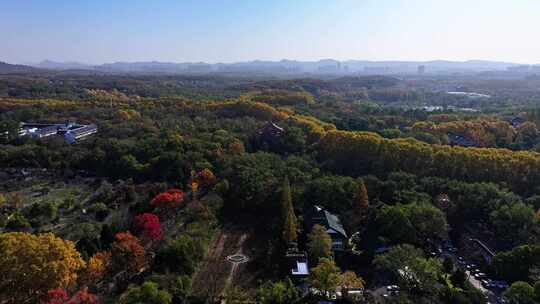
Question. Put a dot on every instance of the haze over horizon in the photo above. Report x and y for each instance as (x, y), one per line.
(222, 31)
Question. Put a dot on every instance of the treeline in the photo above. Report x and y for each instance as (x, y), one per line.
(359, 153)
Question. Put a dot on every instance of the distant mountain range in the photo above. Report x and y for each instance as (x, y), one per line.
(6, 68)
(325, 66)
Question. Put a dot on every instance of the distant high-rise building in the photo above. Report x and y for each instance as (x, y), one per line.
(421, 69)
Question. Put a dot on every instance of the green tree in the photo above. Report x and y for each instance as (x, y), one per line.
(517, 264)
(319, 243)
(281, 292)
(520, 293)
(288, 232)
(537, 291)
(181, 255)
(392, 222)
(429, 222)
(414, 272)
(527, 135)
(512, 222)
(147, 293)
(325, 277)
(448, 265)
(17, 222)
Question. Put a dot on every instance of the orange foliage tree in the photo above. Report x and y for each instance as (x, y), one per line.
(127, 253)
(97, 266)
(205, 178)
(169, 199)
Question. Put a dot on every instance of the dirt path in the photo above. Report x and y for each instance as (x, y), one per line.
(236, 264)
(216, 273)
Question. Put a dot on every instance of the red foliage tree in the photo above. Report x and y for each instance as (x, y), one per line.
(56, 296)
(83, 297)
(169, 199)
(148, 224)
(61, 296)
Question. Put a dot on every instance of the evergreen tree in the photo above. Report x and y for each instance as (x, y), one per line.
(288, 233)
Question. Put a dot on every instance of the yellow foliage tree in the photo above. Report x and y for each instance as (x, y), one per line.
(30, 265)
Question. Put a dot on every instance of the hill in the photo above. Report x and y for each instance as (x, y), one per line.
(6, 68)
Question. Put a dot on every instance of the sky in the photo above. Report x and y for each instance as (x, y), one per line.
(101, 31)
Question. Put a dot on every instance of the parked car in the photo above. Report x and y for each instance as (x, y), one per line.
(392, 288)
(487, 283)
(479, 275)
(471, 267)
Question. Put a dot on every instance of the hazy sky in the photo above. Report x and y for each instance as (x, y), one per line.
(100, 31)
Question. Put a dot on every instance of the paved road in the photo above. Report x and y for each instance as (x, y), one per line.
(492, 296)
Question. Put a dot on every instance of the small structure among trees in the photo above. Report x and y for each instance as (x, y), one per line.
(316, 215)
(271, 131)
(297, 263)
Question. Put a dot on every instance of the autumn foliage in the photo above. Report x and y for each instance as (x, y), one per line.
(127, 252)
(97, 266)
(205, 179)
(148, 224)
(355, 153)
(61, 296)
(169, 199)
(31, 265)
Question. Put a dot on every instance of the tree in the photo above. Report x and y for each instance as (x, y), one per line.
(527, 135)
(392, 222)
(253, 179)
(414, 272)
(169, 199)
(281, 292)
(537, 291)
(30, 265)
(520, 293)
(205, 179)
(319, 243)
(325, 277)
(459, 277)
(148, 224)
(97, 266)
(512, 222)
(516, 265)
(448, 264)
(17, 222)
(181, 255)
(127, 253)
(360, 205)
(61, 296)
(411, 223)
(428, 221)
(147, 293)
(288, 232)
(348, 280)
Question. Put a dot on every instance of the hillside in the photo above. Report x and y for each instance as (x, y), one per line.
(6, 68)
